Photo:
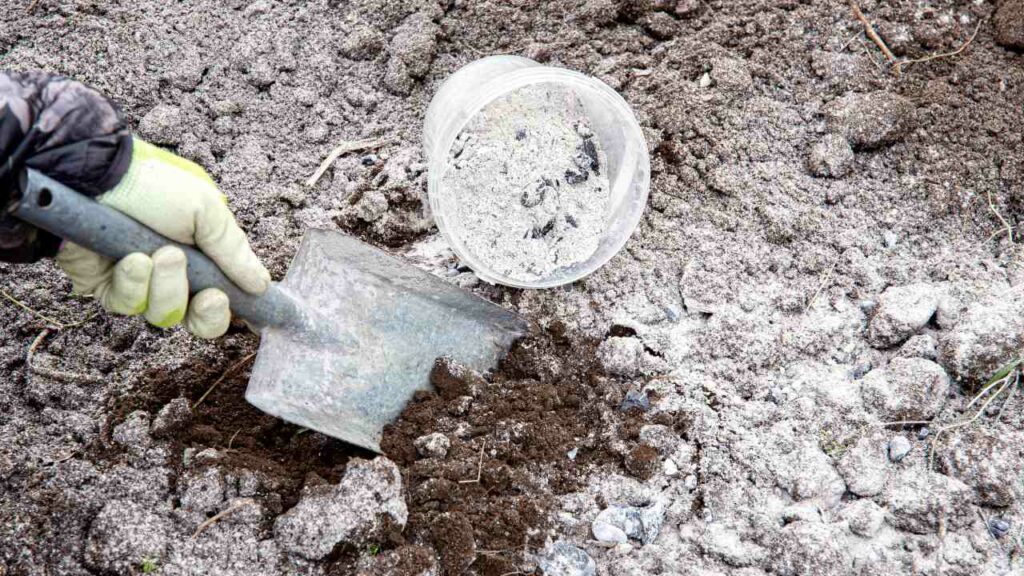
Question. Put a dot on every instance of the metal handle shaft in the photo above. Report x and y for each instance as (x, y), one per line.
(52, 206)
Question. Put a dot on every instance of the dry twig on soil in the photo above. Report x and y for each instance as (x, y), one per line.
(221, 515)
(946, 54)
(343, 148)
(1006, 225)
(54, 323)
(870, 31)
(226, 373)
(50, 373)
(1002, 381)
(479, 468)
(897, 64)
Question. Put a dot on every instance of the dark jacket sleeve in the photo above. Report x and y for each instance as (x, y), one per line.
(65, 130)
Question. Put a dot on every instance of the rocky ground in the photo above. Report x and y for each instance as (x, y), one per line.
(829, 247)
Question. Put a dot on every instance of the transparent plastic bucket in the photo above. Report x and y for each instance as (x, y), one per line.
(476, 85)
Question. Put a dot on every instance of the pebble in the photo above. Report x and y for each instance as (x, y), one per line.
(434, 445)
(899, 447)
(902, 311)
(690, 482)
(642, 524)
(162, 125)
(564, 559)
(998, 527)
(369, 160)
(923, 433)
(635, 399)
(670, 468)
(572, 453)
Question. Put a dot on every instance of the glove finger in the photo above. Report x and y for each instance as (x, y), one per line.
(209, 314)
(219, 237)
(127, 291)
(86, 269)
(168, 288)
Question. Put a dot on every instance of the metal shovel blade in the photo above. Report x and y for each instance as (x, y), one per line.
(388, 322)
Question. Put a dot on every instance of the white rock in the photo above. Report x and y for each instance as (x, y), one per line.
(605, 532)
(355, 511)
(899, 447)
(901, 312)
(564, 559)
(434, 445)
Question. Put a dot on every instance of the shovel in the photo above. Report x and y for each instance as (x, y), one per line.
(346, 339)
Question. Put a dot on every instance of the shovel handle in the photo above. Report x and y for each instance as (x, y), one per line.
(60, 210)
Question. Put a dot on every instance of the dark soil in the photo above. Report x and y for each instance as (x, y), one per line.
(488, 500)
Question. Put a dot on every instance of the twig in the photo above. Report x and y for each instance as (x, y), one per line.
(822, 286)
(1006, 225)
(870, 56)
(221, 515)
(479, 467)
(56, 324)
(870, 31)
(345, 147)
(233, 438)
(1006, 381)
(221, 379)
(32, 6)
(931, 57)
(50, 373)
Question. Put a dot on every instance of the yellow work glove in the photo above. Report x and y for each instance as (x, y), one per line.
(177, 199)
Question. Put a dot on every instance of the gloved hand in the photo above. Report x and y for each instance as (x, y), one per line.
(71, 133)
(178, 199)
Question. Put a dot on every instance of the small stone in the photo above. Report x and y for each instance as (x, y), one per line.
(873, 119)
(899, 447)
(1009, 24)
(832, 157)
(162, 125)
(690, 482)
(669, 467)
(572, 453)
(434, 445)
(864, 517)
(635, 400)
(923, 433)
(641, 524)
(731, 75)
(901, 312)
(605, 532)
(122, 534)
(906, 389)
(356, 511)
(564, 559)
(889, 239)
(133, 433)
(998, 527)
(173, 417)
(369, 160)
